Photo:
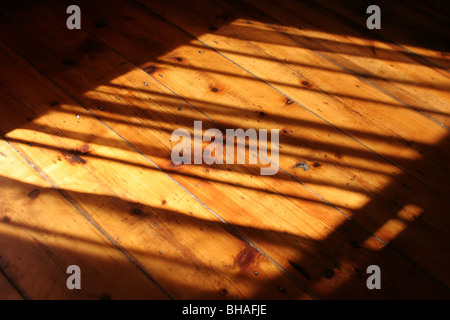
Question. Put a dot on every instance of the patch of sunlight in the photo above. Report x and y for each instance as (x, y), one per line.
(395, 226)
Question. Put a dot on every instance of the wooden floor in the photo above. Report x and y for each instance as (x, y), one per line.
(86, 176)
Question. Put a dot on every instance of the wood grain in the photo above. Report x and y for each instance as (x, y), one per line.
(126, 195)
(418, 84)
(95, 114)
(41, 234)
(372, 215)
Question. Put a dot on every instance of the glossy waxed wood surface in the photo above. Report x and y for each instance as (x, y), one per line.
(95, 114)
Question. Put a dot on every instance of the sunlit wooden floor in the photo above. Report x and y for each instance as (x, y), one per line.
(86, 176)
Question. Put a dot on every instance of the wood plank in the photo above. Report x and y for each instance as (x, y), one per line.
(419, 85)
(403, 24)
(386, 198)
(38, 244)
(247, 219)
(378, 121)
(127, 196)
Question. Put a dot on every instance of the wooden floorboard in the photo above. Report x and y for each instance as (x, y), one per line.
(403, 24)
(42, 234)
(417, 84)
(318, 179)
(96, 171)
(309, 86)
(93, 111)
